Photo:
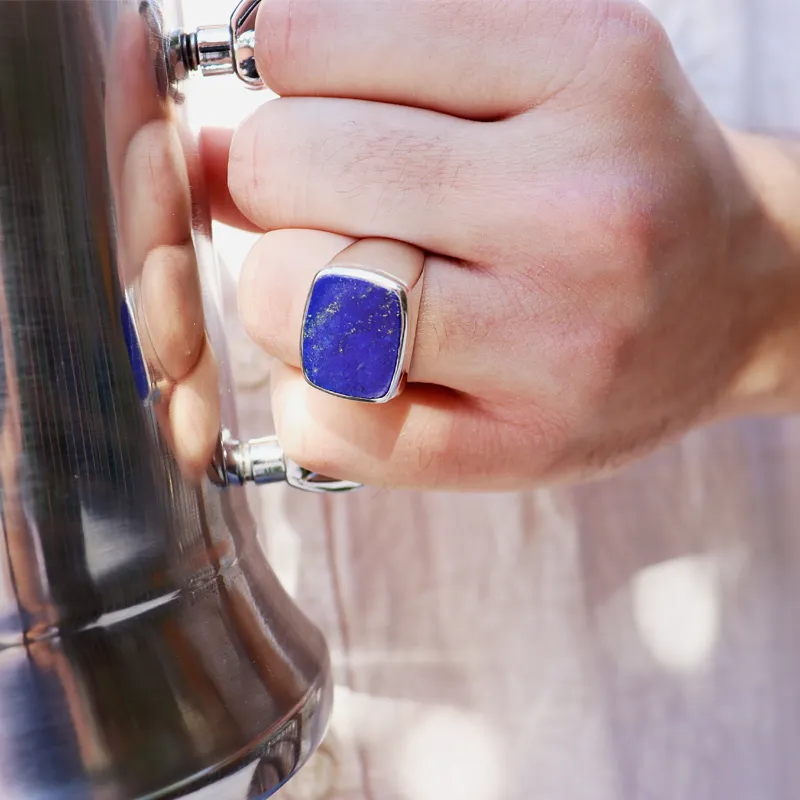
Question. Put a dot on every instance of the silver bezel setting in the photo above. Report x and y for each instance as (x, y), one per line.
(384, 281)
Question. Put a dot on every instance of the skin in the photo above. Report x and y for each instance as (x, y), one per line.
(154, 168)
(607, 266)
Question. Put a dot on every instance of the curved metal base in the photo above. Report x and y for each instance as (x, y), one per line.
(146, 648)
(174, 701)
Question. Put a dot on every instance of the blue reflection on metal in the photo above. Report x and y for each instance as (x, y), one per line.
(140, 373)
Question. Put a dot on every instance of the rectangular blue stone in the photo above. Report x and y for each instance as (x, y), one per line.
(352, 336)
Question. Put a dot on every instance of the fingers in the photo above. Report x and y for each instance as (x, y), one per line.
(194, 414)
(424, 438)
(461, 57)
(172, 310)
(367, 170)
(452, 345)
(215, 146)
(133, 98)
(153, 167)
(155, 205)
(274, 284)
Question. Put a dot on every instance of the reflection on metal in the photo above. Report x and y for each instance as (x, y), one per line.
(219, 49)
(146, 648)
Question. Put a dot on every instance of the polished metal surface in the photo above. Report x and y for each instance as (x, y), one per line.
(262, 461)
(146, 648)
(219, 49)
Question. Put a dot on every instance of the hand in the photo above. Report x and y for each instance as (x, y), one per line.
(601, 277)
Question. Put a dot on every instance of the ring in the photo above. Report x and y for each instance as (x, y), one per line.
(359, 322)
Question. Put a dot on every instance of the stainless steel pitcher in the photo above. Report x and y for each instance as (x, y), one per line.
(146, 648)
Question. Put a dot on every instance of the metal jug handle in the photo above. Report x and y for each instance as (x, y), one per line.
(262, 461)
(219, 49)
(230, 50)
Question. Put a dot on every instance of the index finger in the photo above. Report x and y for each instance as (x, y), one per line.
(476, 59)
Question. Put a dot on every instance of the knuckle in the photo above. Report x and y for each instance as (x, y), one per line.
(631, 30)
(609, 248)
(286, 44)
(258, 167)
(603, 348)
(628, 216)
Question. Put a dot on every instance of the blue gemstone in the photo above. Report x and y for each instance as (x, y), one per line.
(352, 337)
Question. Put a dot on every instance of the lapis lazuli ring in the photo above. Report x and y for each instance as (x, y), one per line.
(360, 319)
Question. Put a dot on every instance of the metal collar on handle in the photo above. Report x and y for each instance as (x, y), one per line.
(263, 461)
(219, 49)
